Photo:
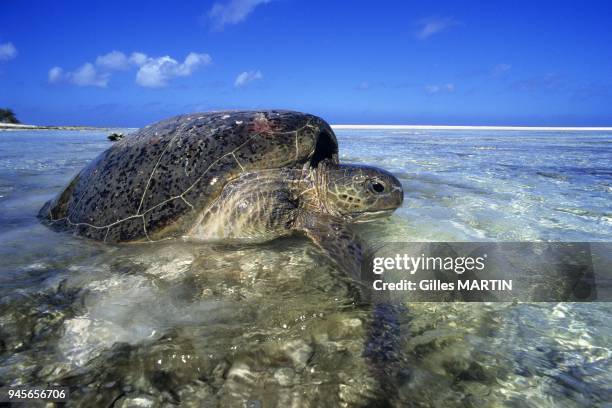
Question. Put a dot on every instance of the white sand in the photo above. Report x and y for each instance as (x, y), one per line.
(439, 127)
(21, 126)
(16, 126)
(11, 126)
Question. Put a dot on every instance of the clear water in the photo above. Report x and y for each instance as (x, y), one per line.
(211, 325)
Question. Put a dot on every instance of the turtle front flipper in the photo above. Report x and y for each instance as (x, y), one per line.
(336, 240)
(383, 342)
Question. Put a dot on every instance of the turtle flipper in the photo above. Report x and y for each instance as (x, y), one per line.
(383, 342)
(337, 241)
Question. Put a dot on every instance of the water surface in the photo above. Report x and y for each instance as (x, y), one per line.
(177, 322)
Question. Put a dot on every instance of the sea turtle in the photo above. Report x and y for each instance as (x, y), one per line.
(232, 175)
(237, 175)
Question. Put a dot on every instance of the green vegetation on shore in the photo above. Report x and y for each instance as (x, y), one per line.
(8, 116)
(8, 121)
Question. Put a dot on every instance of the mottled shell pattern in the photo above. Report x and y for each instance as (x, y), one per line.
(153, 184)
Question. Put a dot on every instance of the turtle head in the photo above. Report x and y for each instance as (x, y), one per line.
(361, 193)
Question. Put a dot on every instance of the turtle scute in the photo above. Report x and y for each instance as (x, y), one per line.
(153, 183)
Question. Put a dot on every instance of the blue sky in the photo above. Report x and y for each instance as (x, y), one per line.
(125, 63)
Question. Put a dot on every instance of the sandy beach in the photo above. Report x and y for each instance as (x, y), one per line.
(449, 127)
(11, 126)
(19, 126)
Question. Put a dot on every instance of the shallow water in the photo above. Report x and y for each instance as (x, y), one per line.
(208, 325)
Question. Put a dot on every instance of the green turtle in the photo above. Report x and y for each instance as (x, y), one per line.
(237, 175)
(231, 175)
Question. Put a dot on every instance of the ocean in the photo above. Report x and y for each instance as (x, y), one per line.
(274, 324)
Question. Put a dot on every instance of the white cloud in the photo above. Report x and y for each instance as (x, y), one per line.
(156, 72)
(138, 58)
(88, 75)
(152, 72)
(444, 88)
(85, 75)
(245, 77)
(56, 75)
(434, 25)
(114, 60)
(7, 51)
(232, 11)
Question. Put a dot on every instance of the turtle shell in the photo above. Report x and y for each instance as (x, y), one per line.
(153, 183)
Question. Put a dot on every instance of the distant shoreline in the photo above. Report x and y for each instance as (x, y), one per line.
(11, 126)
(449, 127)
(19, 126)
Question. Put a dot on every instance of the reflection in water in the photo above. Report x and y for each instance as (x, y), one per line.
(219, 325)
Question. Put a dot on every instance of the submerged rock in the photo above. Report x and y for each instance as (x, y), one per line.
(141, 401)
(284, 376)
(197, 394)
(298, 353)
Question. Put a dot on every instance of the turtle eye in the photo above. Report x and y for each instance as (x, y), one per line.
(376, 186)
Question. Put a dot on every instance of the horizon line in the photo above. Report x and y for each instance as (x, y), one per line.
(472, 127)
(9, 126)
